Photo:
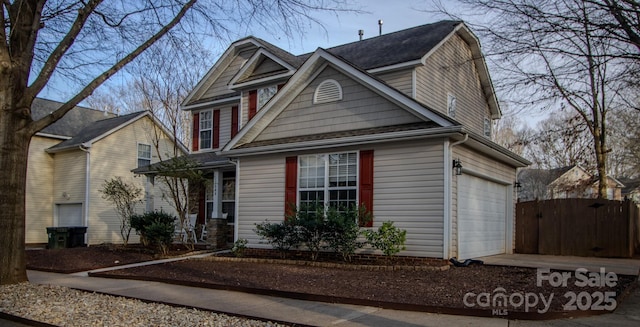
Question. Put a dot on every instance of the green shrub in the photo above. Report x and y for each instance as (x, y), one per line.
(388, 238)
(155, 228)
(343, 232)
(239, 247)
(282, 236)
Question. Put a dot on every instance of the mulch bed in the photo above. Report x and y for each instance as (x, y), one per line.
(405, 286)
(71, 260)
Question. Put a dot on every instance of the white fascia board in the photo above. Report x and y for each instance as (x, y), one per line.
(251, 64)
(210, 103)
(259, 81)
(495, 150)
(230, 51)
(53, 136)
(402, 65)
(438, 132)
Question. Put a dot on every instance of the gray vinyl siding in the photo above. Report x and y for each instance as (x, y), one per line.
(360, 108)
(402, 80)
(408, 189)
(450, 69)
(220, 86)
(267, 66)
(261, 195)
(481, 164)
(225, 126)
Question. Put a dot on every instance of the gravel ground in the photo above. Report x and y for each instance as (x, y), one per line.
(62, 306)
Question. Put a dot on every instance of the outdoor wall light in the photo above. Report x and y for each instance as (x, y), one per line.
(457, 166)
(517, 184)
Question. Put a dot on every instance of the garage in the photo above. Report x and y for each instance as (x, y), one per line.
(482, 217)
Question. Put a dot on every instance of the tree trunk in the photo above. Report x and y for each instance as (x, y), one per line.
(14, 150)
(601, 160)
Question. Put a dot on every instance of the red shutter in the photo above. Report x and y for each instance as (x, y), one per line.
(196, 132)
(291, 185)
(253, 103)
(366, 183)
(234, 121)
(280, 86)
(216, 129)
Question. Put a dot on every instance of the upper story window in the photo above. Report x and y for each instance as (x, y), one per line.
(206, 126)
(451, 105)
(144, 155)
(265, 94)
(328, 91)
(487, 127)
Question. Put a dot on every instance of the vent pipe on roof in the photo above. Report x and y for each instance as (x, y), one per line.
(361, 33)
(380, 22)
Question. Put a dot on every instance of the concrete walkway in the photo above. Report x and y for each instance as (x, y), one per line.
(315, 313)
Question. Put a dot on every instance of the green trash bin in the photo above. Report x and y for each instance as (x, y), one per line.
(76, 236)
(58, 237)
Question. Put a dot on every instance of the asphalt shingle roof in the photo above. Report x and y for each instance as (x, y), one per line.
(70, 124)
(96, 129)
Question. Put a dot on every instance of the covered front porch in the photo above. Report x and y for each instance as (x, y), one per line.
(211, 197)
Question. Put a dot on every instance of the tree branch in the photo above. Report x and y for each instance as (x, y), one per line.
(56, 55)
(89, 88)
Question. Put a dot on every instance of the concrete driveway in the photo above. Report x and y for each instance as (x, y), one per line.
(570, 263)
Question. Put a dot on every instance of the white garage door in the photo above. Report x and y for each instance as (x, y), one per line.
(482, 206)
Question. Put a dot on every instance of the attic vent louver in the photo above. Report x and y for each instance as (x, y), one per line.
(328, 91)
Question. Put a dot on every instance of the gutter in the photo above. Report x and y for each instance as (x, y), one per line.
(86, 147)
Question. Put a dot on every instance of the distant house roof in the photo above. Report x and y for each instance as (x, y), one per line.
(70, 124)
(630, 185)
(96, 130)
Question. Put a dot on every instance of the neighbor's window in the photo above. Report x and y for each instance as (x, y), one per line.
(451, 105)
(206, 124)
(328, 180)
(265, 94)
(144, 155)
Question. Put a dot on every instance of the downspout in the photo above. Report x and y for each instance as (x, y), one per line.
(87, 149)
(448, 195)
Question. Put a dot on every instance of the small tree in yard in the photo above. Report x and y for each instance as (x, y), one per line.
(125, 197)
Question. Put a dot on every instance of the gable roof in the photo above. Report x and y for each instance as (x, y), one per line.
(302, 77)
(70, 124)
(405, 48)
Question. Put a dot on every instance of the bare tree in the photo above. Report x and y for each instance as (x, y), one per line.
(83, 43)
(553, 53)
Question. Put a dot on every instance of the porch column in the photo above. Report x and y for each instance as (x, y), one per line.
(217, 194)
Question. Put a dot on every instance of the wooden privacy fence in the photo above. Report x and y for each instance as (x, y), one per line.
(581, 227)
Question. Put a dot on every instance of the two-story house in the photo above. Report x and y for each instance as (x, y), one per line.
(71, 159)
(399, 123)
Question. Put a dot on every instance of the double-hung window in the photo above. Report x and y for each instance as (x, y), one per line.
(328, 180)
(144, 155)
(206, 126)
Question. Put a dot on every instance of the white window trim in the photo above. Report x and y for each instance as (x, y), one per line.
(200, 130)
(327, 81)
(138, 144)
(326, 188)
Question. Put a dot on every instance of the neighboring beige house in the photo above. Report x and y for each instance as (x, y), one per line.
(70, 160)
(562, 183)
(387, 122)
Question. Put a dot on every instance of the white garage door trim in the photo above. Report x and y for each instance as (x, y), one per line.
(483, 216)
